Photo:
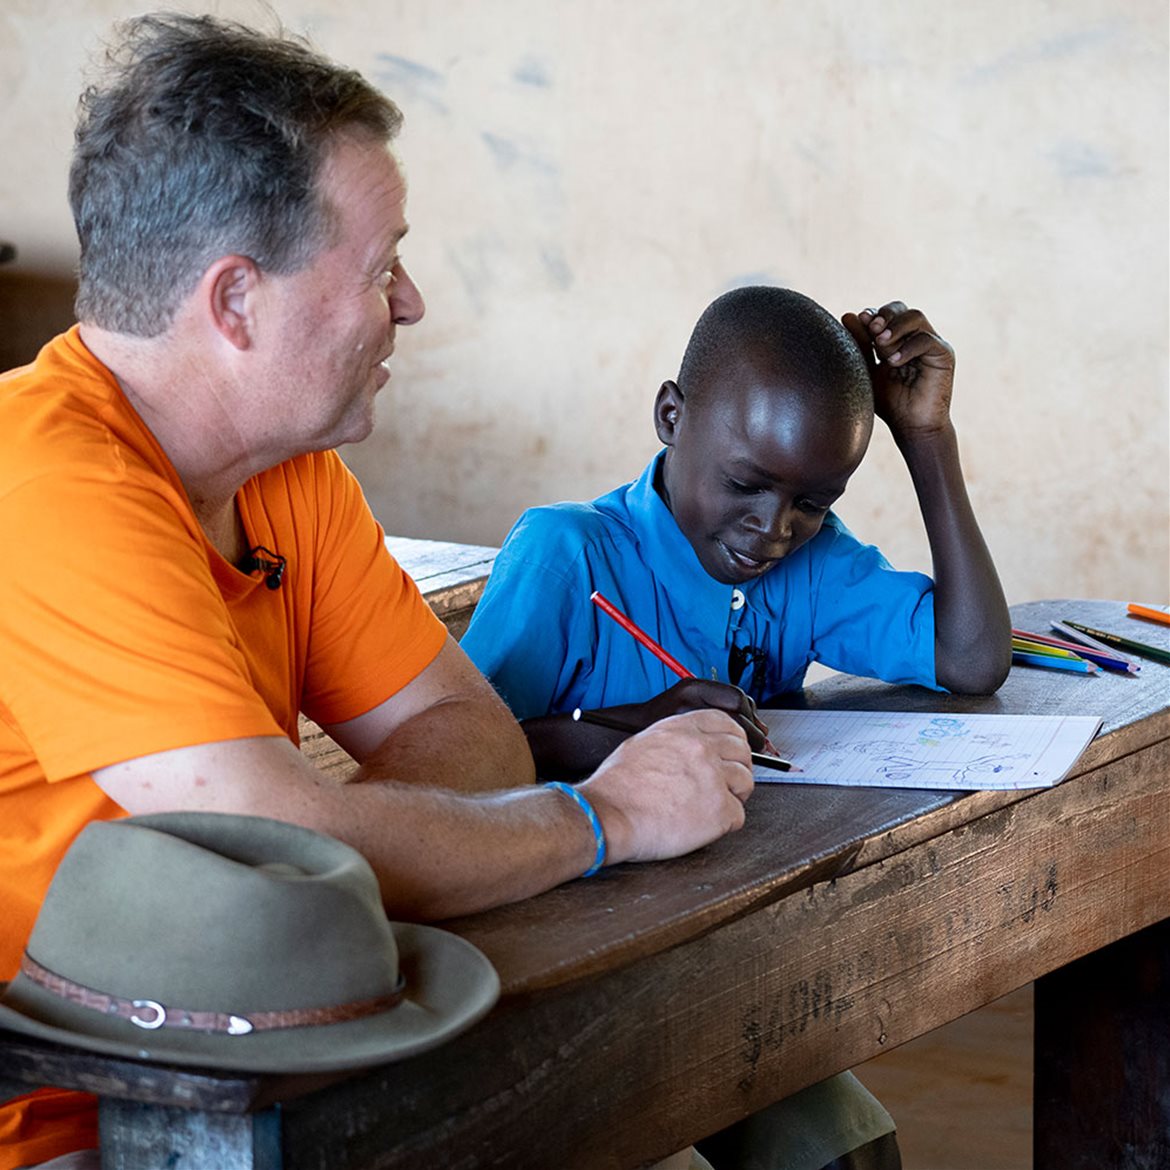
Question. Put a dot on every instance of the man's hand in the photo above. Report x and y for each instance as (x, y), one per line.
(912, 368)
(673, 788)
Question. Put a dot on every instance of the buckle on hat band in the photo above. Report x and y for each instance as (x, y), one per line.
(150, 1015)
(160, 1017)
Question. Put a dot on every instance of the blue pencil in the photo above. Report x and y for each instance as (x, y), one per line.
(1078, 665)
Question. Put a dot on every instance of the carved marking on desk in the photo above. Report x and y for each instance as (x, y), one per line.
(789, 1014)
(992, 825)
(1023, 906)
(885, 1010)
(751, 1032)
(898, 875)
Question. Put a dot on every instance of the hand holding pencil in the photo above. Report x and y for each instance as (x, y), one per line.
(692, 693)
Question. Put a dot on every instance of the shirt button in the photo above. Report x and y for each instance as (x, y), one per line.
(738, 601)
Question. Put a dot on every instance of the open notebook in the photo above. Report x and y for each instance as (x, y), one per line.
(893, 749)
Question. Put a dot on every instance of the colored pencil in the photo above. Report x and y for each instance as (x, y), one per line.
(1149, 612)
(1157, 653)
(1099, 649)
(1101, 656)
(608, 607)
(764, 759)
(1028, 646)
(1078, 665)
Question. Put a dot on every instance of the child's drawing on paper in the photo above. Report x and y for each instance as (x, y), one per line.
(898, 763)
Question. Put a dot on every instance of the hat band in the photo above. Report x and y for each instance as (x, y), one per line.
(150, 1014)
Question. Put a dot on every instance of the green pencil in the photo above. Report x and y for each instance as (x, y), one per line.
(1142, 648)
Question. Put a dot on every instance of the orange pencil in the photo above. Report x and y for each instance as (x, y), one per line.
(1148, 611)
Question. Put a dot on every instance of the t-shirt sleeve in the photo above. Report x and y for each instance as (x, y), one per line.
(526, 634)
(372, 631)
(868, 618)
(117, 643)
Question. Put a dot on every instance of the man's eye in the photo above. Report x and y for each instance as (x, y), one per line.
(812, 507)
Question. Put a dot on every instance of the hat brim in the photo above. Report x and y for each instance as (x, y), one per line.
(449, 986)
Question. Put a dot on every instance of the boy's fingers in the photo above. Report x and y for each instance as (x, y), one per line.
(885, 330)
(918, 345)
(755, 731)
(883, 316)
(860, 333)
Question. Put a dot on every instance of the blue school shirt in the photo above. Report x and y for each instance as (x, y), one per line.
(547, 649)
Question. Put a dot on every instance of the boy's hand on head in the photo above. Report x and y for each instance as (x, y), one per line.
(698, 694)
(672, 788)
(913, 369)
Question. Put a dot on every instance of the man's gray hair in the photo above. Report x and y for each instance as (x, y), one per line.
(206, 138)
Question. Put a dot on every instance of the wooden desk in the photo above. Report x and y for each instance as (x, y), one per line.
(653, 1004)
(451, 576)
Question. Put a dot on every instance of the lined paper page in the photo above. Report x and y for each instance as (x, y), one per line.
(894, 749)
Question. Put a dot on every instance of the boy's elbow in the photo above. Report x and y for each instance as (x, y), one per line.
(975, 676)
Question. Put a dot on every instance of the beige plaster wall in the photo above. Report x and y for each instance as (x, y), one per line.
(587, 174)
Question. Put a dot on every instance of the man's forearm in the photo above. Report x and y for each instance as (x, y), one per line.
(438, 854)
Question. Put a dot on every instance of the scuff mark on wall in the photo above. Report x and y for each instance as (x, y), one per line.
(409, 81)
(1082, 160)
(534, 72)
(509, 154)
(1049, 49)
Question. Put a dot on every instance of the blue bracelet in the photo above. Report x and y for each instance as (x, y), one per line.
(594, 823)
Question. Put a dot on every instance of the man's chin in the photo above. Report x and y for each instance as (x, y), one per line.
(354, 429)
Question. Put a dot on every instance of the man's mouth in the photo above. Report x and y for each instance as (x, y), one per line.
(383, 368)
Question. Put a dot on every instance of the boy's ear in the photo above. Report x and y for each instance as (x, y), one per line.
(668, 407)
(228, 287)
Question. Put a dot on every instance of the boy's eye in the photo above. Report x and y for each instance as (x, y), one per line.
(812, 507)
(743, 489)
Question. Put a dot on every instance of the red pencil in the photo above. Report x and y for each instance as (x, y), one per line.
(606, 606)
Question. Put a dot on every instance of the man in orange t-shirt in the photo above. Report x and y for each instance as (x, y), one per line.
(188, 564)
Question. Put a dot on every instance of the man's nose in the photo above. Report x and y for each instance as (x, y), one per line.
(406, 301)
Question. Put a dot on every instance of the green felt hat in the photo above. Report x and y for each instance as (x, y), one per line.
(236, 942)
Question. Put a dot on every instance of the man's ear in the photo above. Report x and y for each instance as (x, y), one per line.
(668, 408)
(228, 289)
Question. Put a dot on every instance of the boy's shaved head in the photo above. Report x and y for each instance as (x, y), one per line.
(770, 416)
(785, 336)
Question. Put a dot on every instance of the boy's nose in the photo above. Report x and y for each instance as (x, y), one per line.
(772, 520)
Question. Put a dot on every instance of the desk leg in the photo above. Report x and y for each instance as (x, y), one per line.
(1102, 1074)
(135, 1136)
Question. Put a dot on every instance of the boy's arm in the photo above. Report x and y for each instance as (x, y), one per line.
(565, 748)
(913, 375)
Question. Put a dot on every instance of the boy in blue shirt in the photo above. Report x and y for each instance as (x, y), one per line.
(726, 551)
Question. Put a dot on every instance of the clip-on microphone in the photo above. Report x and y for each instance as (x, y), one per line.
(263, 560)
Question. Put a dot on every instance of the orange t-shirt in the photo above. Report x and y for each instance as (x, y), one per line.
(124, 631)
